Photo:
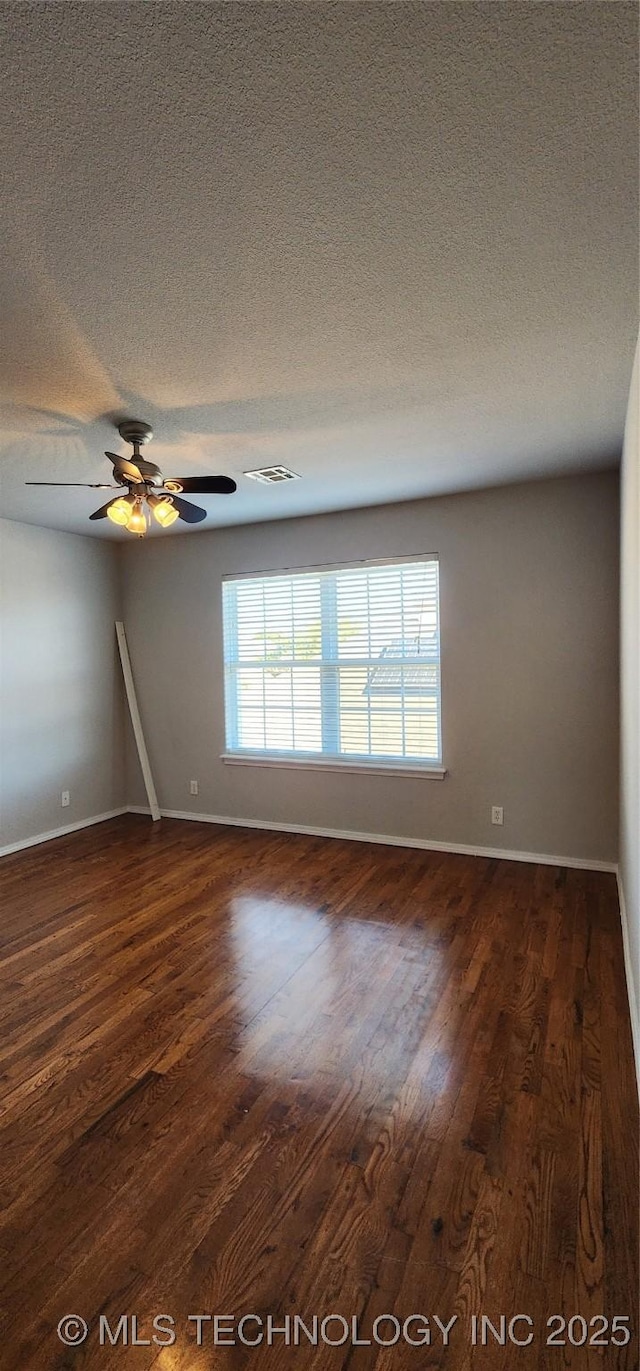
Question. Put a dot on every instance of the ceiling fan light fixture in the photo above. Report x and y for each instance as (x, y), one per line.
(120, 511)
(164, 510)
(137, 522)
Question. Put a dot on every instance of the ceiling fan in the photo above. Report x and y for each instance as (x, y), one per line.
(148, 493)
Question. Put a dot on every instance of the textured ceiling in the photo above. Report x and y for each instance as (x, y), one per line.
(393, 246)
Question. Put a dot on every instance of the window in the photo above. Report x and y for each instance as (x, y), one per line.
(335, 665)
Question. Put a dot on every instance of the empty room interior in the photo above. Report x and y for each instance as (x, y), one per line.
(320, 685)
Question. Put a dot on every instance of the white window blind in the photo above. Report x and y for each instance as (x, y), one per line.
(341, 664)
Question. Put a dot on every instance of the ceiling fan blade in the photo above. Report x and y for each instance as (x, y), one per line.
(102, 512)
(192, 514)
(86, 485)
(206, 485)
(124, 466)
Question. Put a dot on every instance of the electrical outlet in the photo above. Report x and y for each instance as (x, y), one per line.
(65, 798)
(497, 814)
(193, 788)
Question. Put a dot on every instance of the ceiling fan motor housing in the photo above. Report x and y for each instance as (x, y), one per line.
(148, 469)
(136, 432)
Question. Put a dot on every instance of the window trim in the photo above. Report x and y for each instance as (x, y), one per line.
(381, 766)
(324, 567)
(310, 762)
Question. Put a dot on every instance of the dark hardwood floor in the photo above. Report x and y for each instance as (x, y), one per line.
(251, 1073)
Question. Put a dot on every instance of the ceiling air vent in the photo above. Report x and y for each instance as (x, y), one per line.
(271, 475)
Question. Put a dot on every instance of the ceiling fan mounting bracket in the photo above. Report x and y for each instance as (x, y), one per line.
(134, 431)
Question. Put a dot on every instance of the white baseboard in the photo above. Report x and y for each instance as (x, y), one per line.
(60, 832)
(504, 854)
(634, 1009)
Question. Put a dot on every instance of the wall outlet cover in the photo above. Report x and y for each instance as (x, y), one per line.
(193, 787)
(65, 798)
(497, 814)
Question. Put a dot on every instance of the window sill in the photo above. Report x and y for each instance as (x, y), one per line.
(378, 768)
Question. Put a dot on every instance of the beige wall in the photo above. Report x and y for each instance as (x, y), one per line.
(60, 692)
(630, 713)
(529, 598)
